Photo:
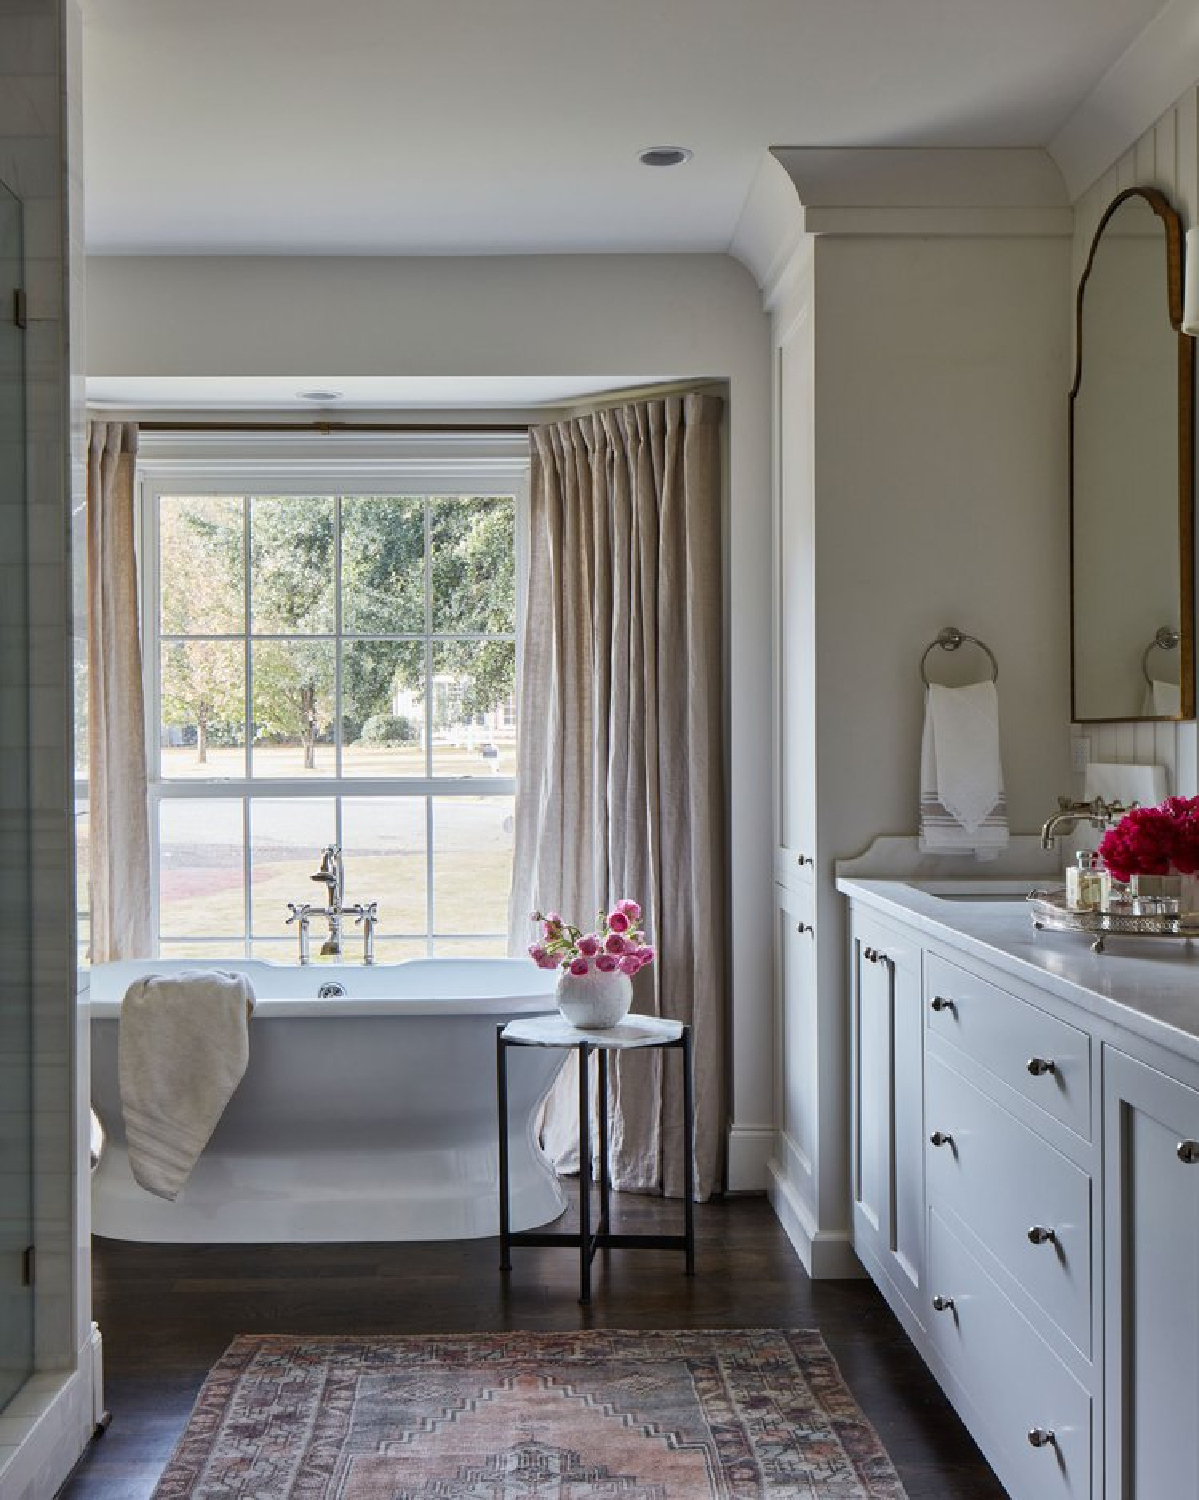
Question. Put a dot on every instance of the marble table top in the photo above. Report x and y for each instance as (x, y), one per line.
(556, 1031)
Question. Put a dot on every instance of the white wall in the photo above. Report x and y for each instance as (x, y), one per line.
(1166, 156)
(648, 317)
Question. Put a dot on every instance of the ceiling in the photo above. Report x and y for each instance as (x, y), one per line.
(420, 127)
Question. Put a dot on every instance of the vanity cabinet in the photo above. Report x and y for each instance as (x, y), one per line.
(1151, 1209)
(887, 1169)
(1026, 1197)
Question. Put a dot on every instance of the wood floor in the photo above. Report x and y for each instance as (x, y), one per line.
(167, 1312)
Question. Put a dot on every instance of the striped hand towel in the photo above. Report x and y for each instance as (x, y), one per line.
(962, 804)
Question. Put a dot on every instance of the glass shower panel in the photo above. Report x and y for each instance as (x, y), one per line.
(16, 1040)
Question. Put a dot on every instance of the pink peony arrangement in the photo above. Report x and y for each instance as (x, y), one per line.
(617, 945)
(1162, 840)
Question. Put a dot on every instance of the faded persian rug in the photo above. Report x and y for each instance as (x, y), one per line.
(595, 1415)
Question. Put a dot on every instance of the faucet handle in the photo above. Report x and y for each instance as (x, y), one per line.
(300, 912)
(367, 912)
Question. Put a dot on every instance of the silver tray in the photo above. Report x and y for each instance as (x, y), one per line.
(1050, 912)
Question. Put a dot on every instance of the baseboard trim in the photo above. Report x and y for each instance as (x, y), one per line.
(826, 1255)
(55, 1410)
(750, 1148)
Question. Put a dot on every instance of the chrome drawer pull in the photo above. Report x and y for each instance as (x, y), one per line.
(939, 1003)
(1039, 1066)
(1039, 1235)
(939, 1138)
(870, 955)
(1043, 1437)
(801, 860)
(1188, 1151)
(942, 1304)
(802, 927)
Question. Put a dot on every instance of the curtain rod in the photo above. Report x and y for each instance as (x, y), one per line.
(330, 427)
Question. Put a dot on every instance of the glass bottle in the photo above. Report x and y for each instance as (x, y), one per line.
(1088, 884)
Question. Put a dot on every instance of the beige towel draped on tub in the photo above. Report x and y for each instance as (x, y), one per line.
(184, 1045)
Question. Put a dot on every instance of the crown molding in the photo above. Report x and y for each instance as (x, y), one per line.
(1161, 64)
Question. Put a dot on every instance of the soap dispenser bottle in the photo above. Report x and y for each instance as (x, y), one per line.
(1088, 884)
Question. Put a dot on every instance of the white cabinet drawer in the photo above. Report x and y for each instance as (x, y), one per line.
(1003, 1181)
(1042, 1058)
(1015, 1382)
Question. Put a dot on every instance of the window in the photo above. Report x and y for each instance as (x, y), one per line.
(331, 654)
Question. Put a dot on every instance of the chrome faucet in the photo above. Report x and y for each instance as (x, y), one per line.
(1097, 812)
(366, 915)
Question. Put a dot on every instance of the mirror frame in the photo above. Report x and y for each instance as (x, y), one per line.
(1172, 224)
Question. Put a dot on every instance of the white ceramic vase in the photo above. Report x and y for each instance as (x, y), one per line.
(594, 1001)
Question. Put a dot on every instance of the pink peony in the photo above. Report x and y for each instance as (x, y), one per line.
(580, 966)
(589, 946)
(629, 964)
(606, 964)
(618, 921)
(645, 955)
(614, 943)
(630, 909)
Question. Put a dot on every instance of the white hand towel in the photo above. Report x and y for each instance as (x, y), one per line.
(1163, 700)
(962, 804)
(184, 1044)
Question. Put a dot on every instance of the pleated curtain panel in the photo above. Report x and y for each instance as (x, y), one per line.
(119, 822)
(620, 770)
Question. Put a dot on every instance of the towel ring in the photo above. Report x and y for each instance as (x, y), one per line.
(950, 639)
(1165, 639)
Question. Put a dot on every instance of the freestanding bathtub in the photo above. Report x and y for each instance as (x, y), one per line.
(369, 1116)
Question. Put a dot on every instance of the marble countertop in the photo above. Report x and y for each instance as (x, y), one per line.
(1149, 986)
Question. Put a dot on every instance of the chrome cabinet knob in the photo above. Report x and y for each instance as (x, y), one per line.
(1040, 1235)
(1043, 1437)
(1188, 1151)
(803, 859)
(942, 1304)
(939, 1138)
(941, 1002)
(802, 927)
(1039, 1066)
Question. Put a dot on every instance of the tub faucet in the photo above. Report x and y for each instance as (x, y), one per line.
(366, 915)
(1069, 814)
(332, 876)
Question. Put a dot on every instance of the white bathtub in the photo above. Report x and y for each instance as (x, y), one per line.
(370, 1116)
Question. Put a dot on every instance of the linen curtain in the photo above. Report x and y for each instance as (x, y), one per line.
(120, 835)
(620, 771)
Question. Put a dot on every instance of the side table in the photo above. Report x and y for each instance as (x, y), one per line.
(632, 1033)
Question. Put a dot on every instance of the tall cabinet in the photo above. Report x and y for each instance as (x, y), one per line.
(893, 379)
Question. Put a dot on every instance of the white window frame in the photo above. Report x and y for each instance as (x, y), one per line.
(315, 463)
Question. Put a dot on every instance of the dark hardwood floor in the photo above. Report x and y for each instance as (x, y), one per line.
(168, 1311)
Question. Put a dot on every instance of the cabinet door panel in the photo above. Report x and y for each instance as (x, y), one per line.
(797, 1041)
(1152, 1306)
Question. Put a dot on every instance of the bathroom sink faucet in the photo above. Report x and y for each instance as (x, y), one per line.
(366, 914)
(1070, 814)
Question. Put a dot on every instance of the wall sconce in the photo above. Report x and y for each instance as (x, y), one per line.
(1190, 284)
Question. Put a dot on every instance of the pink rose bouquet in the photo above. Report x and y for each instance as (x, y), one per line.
(616, 944)
(1162, 840)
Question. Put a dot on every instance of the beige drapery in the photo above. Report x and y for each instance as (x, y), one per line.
(620, 764)
(119, 823)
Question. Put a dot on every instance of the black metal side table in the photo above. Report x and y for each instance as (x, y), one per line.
(635, 1032)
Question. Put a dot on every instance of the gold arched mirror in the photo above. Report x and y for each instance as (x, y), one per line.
(1131, 472)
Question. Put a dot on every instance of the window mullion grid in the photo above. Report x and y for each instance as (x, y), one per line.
(248, 729)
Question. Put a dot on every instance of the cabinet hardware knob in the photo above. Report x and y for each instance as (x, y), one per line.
(1038, 1066)
(807, 927)
(939, 1138)
(1040, 1235)
(802, 859)
(940, 1002)
(870, 955)
(942, 1304)
(1188, 1151)
(1043, 1437)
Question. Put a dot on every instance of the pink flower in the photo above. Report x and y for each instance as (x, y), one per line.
(541, 958)
(589, 946)
(645, 955)
(629, 964)
(618, 921)
(630, 909)
(552, 919)
(580, 966)
(606, 964)
(614, 943)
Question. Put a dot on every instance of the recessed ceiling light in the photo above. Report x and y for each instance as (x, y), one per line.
(322, 396)
(663, 156)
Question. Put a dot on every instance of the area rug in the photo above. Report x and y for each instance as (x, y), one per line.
(596, 1415)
